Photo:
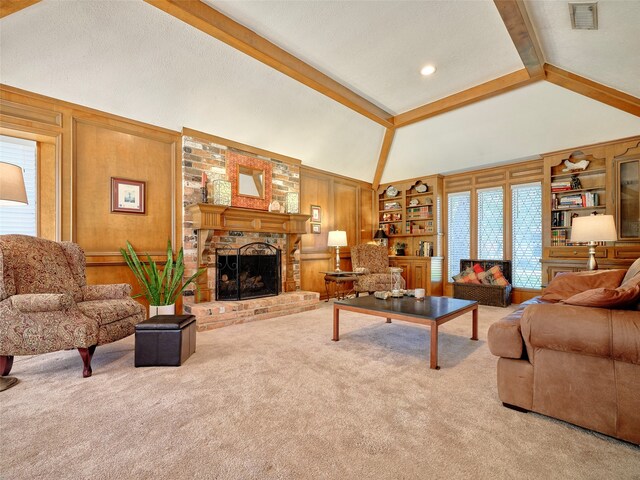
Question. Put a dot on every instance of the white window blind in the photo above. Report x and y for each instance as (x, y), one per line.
(458, 230)
(490, 224)
(20, 218)
(526, 207)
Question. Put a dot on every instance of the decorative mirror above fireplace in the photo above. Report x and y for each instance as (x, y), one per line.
(250, 182)
(250, 179)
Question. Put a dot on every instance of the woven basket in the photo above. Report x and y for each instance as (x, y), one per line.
(491, 295)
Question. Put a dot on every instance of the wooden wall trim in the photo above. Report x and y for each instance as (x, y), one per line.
(593, 90)
(516, 19)
(212, 22)
(384, 154)
(7, 7)
(189, 132)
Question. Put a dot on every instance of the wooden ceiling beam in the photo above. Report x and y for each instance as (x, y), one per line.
(516, 19)
(7, 7)
(204, 18)
(491, 88)
(384, 154)
(594, 90)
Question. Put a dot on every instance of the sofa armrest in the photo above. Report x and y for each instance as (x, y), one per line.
(505, 336)
(42, 302)
(567, 328)
(106, 292)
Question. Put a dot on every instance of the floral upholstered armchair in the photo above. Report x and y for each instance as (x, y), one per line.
(373, 262)
(46, 304)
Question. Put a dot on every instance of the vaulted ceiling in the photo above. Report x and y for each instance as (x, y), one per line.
(327, 82)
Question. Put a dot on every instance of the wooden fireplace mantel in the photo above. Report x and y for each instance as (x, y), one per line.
(207, 217)
(220, 217)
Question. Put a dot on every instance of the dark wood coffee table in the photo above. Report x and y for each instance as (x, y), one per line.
(432, 311)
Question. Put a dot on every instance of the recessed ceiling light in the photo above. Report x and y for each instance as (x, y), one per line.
(428, 70)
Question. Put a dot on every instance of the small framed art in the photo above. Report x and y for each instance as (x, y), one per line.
(127, 196)
(316, 214)
(315, 228)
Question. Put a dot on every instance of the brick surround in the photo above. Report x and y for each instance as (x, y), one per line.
(199, 156)
(210, 315)
(216, 160)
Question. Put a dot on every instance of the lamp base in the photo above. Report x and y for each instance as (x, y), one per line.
(592, 264)
(338, 259)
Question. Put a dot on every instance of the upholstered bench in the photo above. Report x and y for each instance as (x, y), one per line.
(165, 340)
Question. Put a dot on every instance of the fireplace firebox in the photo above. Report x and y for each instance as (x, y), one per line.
(250, 271)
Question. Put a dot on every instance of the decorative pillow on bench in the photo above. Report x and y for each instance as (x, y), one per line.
(476, 274)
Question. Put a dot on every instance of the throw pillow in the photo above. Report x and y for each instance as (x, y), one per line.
(470, 278)
(485, 278)
(458, 277)
(634, 270)
(625, 295)
(565, 285)
(478, 268)
(497, 278)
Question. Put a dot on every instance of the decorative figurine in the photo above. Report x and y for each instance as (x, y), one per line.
(575, 183)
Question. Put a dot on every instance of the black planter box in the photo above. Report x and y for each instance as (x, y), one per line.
(165, 340)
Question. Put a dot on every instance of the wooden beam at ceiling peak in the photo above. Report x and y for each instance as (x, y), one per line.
(384, 154)
(516, 19)
(594, 90)
(210, 21)
(491, 88)
(7, 7)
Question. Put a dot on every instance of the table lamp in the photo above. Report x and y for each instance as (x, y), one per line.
(592, 229)
(12, 192)
(12, 189)
(337, 238)
(381, 238)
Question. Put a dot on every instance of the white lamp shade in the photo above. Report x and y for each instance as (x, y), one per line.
(593, 228)
(11, 185)
(337, 238)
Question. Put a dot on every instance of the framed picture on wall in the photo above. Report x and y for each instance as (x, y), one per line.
(316, 214)
(127, 196)
(315, 228)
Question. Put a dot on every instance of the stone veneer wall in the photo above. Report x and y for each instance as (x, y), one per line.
(201, 155)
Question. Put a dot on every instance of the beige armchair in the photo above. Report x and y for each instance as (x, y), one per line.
(46, 304)
(373, 262)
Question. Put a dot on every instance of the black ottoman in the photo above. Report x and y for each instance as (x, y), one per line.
(165, 340)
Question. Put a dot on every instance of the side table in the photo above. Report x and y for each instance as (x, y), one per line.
(339, 279)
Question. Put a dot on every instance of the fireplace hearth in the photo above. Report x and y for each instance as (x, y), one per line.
(250, 271)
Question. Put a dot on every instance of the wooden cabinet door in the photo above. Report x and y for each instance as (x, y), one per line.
(420, 276)
(405, 265)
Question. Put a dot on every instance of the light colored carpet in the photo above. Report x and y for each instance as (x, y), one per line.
(278, 399)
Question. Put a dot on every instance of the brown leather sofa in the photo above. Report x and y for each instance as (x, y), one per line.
(579, 364)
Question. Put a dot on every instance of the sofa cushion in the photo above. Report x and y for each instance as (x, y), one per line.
(109, 311)
(565, 285)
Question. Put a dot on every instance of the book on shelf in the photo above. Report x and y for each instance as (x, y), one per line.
(586, 199)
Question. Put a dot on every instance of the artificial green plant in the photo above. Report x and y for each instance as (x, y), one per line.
(159, 287)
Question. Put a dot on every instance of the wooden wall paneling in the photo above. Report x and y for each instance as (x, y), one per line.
(346, 215)
(368, 226)
(48, 191)
(102, 152)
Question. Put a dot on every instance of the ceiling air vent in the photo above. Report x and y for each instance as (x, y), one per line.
(584, 16)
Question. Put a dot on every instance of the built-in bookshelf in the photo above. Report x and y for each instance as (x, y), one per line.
(408, 212)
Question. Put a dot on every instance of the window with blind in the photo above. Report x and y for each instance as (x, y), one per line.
(491, 224)
(458, 230)
(526, 227)
(20, 218)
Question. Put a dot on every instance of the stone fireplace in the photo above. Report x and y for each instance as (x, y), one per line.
(251, 271)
